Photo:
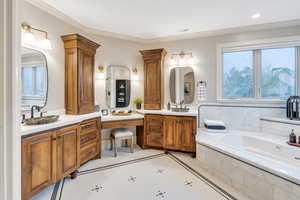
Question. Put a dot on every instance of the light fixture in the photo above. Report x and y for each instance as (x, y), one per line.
(182, 59)
(30, 34)
(27, 33)
(100, 75)
(172, 60)
(256, 16)
(135, 74)
(46, 43)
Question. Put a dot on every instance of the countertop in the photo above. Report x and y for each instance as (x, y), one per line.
(63, 120)
(115, 118)
(192, 113)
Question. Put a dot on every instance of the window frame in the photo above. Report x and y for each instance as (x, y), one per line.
(256, 46)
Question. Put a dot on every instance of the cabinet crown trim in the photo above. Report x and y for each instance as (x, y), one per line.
(80, 38)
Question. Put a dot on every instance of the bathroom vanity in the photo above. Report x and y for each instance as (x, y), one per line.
(53, 154)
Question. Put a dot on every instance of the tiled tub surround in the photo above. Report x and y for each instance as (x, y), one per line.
(255, 160)
(251, 181)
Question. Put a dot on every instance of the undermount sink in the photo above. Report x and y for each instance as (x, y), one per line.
(180, 109)
(41, 120)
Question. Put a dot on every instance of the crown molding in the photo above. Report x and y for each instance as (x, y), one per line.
(53, 11)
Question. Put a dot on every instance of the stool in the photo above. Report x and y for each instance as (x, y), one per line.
(120, 134)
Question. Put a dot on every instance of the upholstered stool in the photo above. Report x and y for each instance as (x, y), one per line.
(120, 134)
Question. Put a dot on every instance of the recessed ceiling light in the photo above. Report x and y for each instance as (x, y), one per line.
(256, 16)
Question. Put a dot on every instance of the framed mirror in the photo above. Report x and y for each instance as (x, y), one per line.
(182, 85)
(117, 86)
(34, 76)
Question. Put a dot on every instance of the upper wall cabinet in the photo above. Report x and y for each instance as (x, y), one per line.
(79, 74)
(154, 74)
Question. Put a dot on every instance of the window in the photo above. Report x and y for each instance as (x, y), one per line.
(278, 73)
(266, 72)
(238, 74)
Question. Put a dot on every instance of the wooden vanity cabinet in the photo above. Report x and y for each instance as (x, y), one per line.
(153, 78)
(90, 140)
(52, 155)
(37, 162)
(153, 129)
(179, 133)
(66, 151)
(79, 74)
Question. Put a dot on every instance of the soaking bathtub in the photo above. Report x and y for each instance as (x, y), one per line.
(267, 152)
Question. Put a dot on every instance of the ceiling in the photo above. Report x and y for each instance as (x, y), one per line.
(153, 19)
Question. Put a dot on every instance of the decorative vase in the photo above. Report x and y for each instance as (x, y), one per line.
(138, 106)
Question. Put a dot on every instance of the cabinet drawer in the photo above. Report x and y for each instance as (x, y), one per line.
(122, 123)
(88, 138)
(89, 152)
(88, 126)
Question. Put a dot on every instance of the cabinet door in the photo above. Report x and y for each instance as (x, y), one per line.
(67, 151)
(171, 133)
(152, 89)
(154, 130)
(188, 134)
(36, 164)
(86, 82)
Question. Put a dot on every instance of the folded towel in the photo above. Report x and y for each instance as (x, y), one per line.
(214, 126)
(214, 123)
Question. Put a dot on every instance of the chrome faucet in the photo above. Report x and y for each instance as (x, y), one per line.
(32, 110)
(181, 103)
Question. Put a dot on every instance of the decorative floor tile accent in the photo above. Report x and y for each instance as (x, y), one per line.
(189, 183)
(160, 194)
(178, 183)
(97, 188)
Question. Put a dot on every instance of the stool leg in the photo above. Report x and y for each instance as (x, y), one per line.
(111, 143)
(115, 147)
(131, 148)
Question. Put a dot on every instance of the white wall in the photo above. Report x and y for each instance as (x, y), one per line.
(205, 52)
(112, 51)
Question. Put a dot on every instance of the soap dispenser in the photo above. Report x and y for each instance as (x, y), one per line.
(293, 137)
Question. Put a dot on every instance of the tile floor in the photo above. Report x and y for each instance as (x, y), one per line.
(145, 174)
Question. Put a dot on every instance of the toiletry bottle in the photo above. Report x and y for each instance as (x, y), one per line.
(293, 137)
(169, 106)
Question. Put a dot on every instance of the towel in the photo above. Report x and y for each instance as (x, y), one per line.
(214, 125)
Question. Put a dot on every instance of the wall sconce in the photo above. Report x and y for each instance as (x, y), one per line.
(135, 76)
(182, 59)
(100, 74)
(29, 37)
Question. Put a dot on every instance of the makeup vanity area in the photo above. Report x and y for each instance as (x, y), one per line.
(52, 151)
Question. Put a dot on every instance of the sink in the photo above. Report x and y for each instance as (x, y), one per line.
(180, 109)
(41, 120)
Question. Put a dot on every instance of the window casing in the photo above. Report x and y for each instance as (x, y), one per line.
(264, 72)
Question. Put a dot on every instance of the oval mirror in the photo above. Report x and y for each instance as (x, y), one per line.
(182, 85)
(117, 86)
(34, 76)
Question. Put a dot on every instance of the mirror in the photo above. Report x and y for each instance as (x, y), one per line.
(117, 86)
(182, 85)
(34, 76)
